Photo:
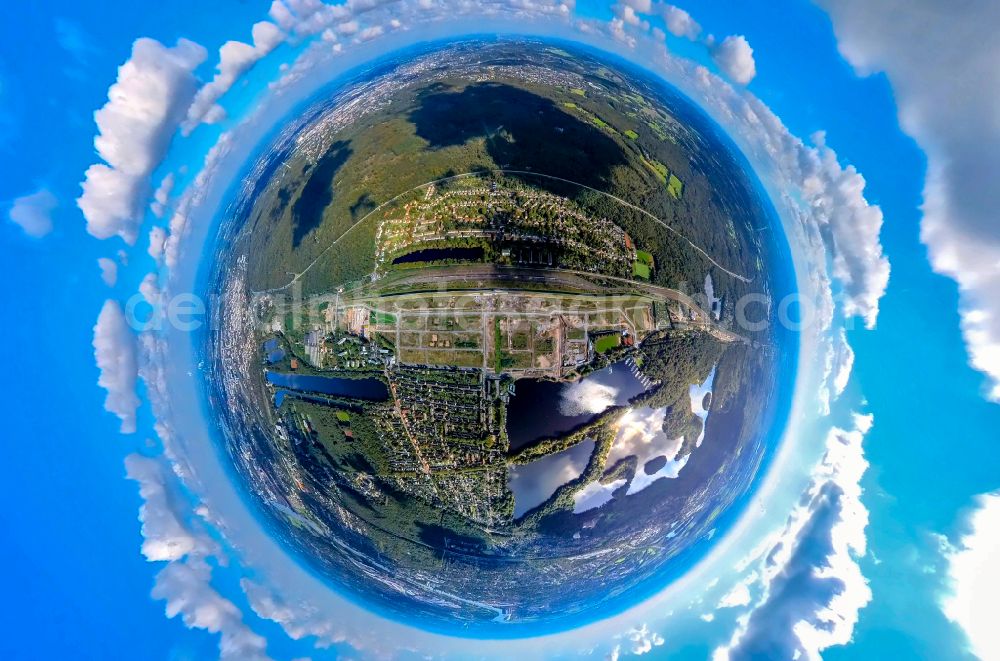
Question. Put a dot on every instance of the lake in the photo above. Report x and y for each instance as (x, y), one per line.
(438, 254)
(367, 388)
(534, 483)
(540, 408)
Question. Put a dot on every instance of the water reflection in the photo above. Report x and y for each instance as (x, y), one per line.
(640, 435)
(533, 484)
(542, 408)
(368, 388)
(701, 398)
(594, 495)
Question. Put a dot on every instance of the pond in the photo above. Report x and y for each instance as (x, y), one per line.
(274, 351)
(540, 408)
(366, 388)
(438, 254)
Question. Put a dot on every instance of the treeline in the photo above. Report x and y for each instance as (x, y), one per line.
(555, 444)
(678, 360)
(604, 435)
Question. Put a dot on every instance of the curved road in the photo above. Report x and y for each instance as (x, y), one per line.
(297, 276)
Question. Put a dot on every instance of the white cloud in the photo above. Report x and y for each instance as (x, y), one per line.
(680, 23)
(166, 535)
(734, 57)
(299, 620)
(348, 27)
(370, 33)
(162, 195)
(185, 582)
(187, 589)
(628, 15)
(974, 577)
(115, 353)
(149, 288)
(813, 586)
(839, 363)
(941, 60)
(642, 640)
(641, 6)
(640, 435)
(135, 127)
(739, 595)
(308, 17)
(175, 232)
(281, 14)
(595, 494)
(586, 396)
(843, 363)
(157, 237)
(616, 30)
(823, 199)
(837, 193)
(235, 59)
(178, 227)
(175, 528)
(109, 270)
(33, 213)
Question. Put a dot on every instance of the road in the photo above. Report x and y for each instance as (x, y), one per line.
(298, 276)
(488, 279)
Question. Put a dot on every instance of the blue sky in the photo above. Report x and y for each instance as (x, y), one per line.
(78, 584)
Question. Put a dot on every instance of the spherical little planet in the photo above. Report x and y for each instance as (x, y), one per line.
(491, 345)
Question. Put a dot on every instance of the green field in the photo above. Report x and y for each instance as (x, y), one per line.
(605, 343)
(343, 416)
(382, 318)
(644, 257)
(659, 169)
(578, 91)
(675, 186)
(641, 270)
(631, 135)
